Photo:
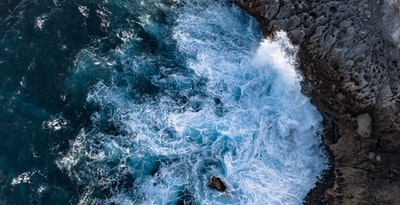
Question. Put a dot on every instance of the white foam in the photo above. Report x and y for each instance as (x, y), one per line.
(84, 10)
(40, 21)
(22, 178)
(55, 123)
(272, 53)
(26, 177)
(247, 122)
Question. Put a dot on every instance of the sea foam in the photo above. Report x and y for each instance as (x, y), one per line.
(229, 105)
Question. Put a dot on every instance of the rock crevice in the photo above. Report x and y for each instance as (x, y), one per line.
(350, 59)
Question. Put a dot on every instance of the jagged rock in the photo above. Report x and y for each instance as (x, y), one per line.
(350, 58)
(216, 183)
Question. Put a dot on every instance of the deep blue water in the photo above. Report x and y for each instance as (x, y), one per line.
(142, 102)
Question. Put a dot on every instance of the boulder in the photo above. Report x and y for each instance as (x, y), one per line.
(216, 183)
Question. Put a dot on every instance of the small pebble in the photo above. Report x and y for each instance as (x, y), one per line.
(378, 158)
(371, 155)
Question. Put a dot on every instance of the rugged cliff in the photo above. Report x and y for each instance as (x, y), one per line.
(350, 58)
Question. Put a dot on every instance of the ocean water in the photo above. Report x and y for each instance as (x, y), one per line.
(143, 102)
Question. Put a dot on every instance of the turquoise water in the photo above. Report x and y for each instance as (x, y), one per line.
(142, 102)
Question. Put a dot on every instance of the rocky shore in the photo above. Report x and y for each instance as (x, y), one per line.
(350, 59)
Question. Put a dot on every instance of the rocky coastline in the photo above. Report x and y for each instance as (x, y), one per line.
(349, 55)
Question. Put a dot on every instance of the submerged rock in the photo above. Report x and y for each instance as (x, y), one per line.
(350, 59)
(216, 183)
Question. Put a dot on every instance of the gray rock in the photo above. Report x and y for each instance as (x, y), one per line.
(364, 125)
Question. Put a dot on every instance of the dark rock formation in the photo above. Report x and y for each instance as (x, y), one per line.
(350, 58)
(216, 183)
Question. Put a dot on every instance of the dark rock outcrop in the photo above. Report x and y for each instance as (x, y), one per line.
(216, 183)
(350, 58)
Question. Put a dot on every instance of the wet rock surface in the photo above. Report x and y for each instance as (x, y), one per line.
(216, 183)
(350, 59)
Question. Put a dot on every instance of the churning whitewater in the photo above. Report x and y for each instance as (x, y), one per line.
(191, 92)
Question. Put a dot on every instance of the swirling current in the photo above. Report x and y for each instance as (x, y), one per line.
(143, 102)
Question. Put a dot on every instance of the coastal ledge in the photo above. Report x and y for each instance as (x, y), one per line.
(350, 58)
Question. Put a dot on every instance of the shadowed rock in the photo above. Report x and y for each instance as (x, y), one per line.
(217, 184)
(350, 59)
